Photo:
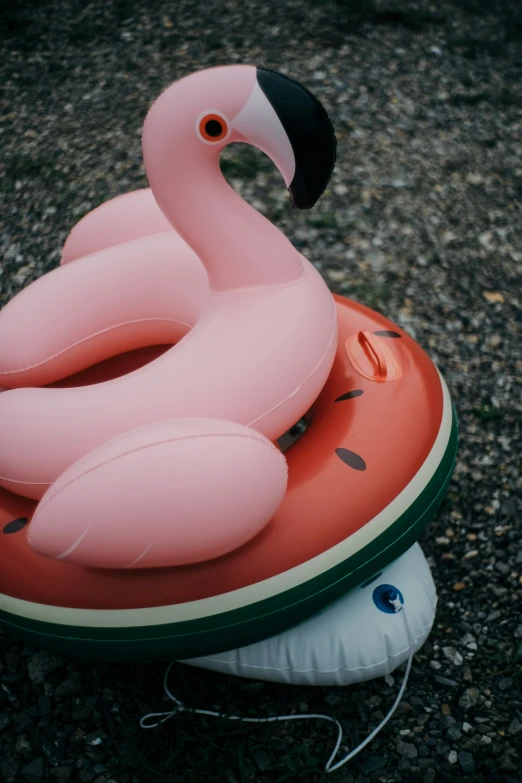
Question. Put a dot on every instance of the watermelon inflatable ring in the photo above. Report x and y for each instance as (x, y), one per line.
(153, 501)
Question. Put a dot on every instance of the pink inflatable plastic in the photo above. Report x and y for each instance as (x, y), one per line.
(188, 263)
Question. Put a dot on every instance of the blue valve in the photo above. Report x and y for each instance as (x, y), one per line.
(384, 597)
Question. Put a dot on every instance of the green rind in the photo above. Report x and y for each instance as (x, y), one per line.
(248, 624)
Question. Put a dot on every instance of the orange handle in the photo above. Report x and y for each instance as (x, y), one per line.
(371, 358)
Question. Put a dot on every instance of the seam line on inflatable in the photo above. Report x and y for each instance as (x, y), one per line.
(90, 337)
(287, 282)
(71, 239)
(20, 481)
(313, 669)
(260, 418)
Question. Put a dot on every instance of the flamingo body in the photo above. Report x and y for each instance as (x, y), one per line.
(254, 326)
(69, 422)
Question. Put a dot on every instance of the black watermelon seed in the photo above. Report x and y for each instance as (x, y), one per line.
(350, 395)
(387, 333)
(15, 525)
(351, 459)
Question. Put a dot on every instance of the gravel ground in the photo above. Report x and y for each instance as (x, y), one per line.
(423, 222)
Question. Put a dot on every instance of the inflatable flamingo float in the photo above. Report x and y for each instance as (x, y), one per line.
(149, 505)
(174, 463)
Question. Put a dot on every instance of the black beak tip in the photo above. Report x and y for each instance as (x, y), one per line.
(301, 201)
(309, 131)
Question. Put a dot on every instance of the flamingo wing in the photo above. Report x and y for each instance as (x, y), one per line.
(129, 216)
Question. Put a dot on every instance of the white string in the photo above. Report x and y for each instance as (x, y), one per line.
(397, 605)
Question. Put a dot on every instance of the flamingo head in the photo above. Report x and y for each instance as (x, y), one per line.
(197, 116)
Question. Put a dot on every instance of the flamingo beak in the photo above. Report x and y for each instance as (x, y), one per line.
(289, 125)
(309, 131)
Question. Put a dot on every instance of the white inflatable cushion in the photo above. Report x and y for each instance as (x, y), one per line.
(358, 637)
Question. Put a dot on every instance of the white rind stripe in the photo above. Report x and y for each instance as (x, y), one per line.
(206, 607)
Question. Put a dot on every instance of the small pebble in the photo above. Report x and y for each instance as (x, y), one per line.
(262, 759)
(459, 586)
(454, 734)
(407, 750)
(515, 727)
(466, 762)
(469, 698)
(453, 656)
(34, 768)
(372, 764)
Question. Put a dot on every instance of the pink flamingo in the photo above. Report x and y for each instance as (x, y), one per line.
(174, 463)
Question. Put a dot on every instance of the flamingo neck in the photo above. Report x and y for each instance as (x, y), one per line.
(237, 245)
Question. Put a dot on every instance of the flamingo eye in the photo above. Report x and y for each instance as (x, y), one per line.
(212, 127)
